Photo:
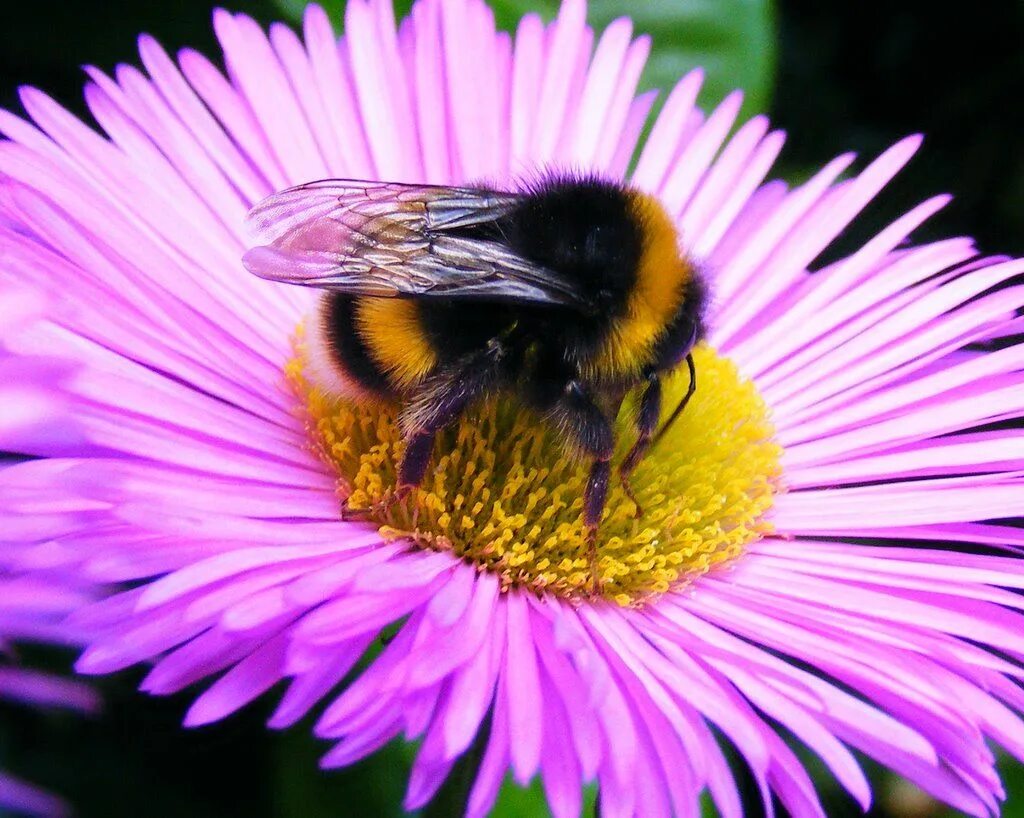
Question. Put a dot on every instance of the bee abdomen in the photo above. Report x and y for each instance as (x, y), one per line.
(393, 336)
(340, 359)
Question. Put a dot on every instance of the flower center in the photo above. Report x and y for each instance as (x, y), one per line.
(501, 493)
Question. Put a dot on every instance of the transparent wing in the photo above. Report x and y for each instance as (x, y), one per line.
(383, 239)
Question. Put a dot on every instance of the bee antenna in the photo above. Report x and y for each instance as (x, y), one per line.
(682, 403)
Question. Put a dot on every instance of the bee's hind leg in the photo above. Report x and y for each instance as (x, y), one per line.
(438, 403)
(646, 423)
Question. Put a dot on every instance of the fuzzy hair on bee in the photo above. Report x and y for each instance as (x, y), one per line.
(570, 293)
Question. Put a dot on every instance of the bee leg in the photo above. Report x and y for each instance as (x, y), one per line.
(372, 511)
(418, 448)
(690, 391)
(350, 514)
(439, 402)
(594, 497)
(414, 464)
(590, 433)
(646, 423)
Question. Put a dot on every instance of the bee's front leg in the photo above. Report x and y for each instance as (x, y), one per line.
(646, 423)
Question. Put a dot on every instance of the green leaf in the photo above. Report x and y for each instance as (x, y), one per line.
(733, 40)
(293, 9)
(515, 801)
(373, 786)
(1012, 774)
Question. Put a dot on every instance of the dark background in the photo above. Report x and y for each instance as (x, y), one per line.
(859, 75)
(849, 76)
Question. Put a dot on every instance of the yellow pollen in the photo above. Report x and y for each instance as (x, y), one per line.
(501, 494)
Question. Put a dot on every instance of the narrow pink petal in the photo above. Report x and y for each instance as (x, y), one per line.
(744, 262)
(839, 760)
(919, 460)
(626, 115)
(473, 689)
(456, 645)
(219, 567)
(715, 645)
(258, 76)
(664, 142)
(914, 320)
(740, 192)
(353, 749)
(643, 686)
(632, 129)
(370, 694)
(214, 200)
(468, 112)
(595, 101)
(296, 67)
(563, 680)
(960, 412)
(429, 80)
(884, 290)
(698, 154)
(380, 85)
(350, 617)
(719, 181)
(527, 72)
(240, 685)
(21, 797)
(721, 782)
(495, 760)
(208, 653)
(334, 85)
(231, 108)
(911, 393)
(560, 771)
(338, 575)
(198, 121)
(858, 270)
(790, 780)
(820, 226)
(312, 686)
(980, 621)
(146, 637)
(44, 690)
(426, 777)
(668, 742)
(526, 729)
(566, 37)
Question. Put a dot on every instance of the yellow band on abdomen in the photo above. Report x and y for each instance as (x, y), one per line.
(394, 335)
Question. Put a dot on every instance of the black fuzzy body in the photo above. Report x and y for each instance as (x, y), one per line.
(591, 235)
(582, 229)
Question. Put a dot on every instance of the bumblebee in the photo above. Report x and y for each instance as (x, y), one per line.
(568, 293)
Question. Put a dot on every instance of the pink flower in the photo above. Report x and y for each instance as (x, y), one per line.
(177, 457)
